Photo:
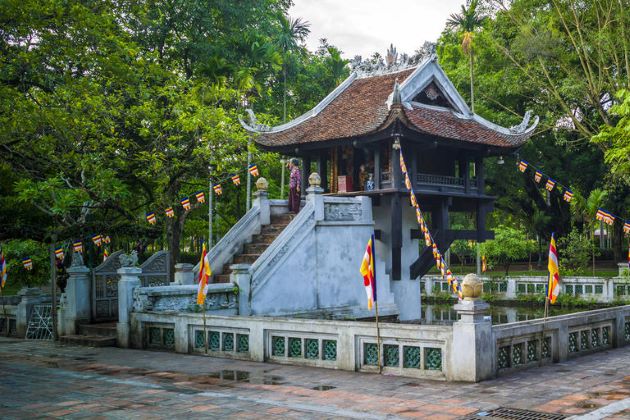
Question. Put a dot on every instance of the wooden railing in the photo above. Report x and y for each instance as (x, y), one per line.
(450, 181)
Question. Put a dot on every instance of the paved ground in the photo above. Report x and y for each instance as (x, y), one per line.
(40, 379)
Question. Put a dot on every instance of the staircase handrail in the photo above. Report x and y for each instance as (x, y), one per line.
(288, 239)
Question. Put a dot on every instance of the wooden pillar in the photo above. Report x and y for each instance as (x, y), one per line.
(396, 216)
(464, 168)
(377, 168)
(441, 222)
(481, 220)
(481, 181)
(322, 169)
(306, 172)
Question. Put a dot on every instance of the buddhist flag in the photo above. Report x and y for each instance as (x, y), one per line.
(105, 254)
(253, 169)
(550, 184)
(28, 264)
(170, 212)
(217, 189)
(236, 179)
(3, 270)
(522, 166)
(97, 239)
(403, 167)
(151, 218)
(568, 196)
(369, 273)
(106, 239)
(204, 276)
(407, 181)
(412, 196)
(553, 286)
(185, 203)
(77, 246)
(626, 227)
(419, 217)
(484, 264)
(605, 217)
(628, 256)
(427, 239)
(59, 253)
(201, 197)
(537, 176)
(600, 214)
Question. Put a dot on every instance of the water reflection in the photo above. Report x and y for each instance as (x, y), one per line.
(444, 314)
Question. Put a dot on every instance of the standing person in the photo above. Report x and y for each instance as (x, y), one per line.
(294, 186)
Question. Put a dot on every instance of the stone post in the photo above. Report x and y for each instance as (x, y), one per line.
(261, 200)
(30, 297)
(243, 279)
(314, 195)
(511, 288)
(428, 286)
(77, 302)
(129, 280)
(184, 274)
(473, 348)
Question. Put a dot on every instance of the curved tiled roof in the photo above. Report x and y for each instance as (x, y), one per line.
(360, 106)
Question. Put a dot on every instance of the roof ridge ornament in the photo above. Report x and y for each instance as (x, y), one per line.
(522, 127)
(396, 98)
(253, 122)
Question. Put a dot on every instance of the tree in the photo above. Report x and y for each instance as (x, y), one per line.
(292, 32)
(468, 21)
(509, 245)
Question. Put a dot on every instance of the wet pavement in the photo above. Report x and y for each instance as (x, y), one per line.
(41, 379)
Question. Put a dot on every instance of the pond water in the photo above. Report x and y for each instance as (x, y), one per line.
(441, 314)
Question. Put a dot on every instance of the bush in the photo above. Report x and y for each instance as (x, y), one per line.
(15, 251)
(576, 251)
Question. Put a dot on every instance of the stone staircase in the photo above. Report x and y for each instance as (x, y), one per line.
(259, 244)
(93, 335)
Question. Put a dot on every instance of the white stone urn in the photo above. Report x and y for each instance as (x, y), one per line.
(472, 286)
(262, 184)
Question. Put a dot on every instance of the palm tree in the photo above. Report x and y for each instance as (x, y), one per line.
(586, 208)
(467, 22)
(293, 31)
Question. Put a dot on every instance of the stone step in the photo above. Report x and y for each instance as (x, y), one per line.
(245, 258)
(264, 238)
(221, 278)
(275, 228)
(282, 218)
(255, 248)
(88, 340)
(100, 330)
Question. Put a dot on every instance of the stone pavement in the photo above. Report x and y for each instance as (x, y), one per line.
(41, 379)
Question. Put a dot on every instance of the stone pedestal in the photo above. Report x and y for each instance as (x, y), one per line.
(261, 200)
(129, 280)
(30, 297)
(314, 194)
(184, 274)
(76, 302)
(243, 279)
(472, 351)
(510, 293)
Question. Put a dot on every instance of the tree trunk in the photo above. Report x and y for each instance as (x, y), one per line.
(174, 230)
(284, 94)
(472, 89)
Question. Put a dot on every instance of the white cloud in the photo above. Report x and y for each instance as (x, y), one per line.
(361, 27)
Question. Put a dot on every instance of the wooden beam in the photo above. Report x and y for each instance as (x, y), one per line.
(377, 169)
(322, 169)
(306, 172)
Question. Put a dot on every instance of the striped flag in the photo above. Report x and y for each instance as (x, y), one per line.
(253, 169)
(628, 257)
(77, 246)
(3, 270)
(236, 179)
(151, 218)
(28, 263)
(369, 273)
(201, 197)
(59, 253)
(403, 167)
(407, 181)
(553, 285)
(550, 184)
(522, 166)
(218, 190)
(204, 276)
(537, 176)
(170, 212)
(106, 239)
(105, 254)
(568, 196)
(605, 216)
(185, 203)
(419, 217)
(626, 227)
(484, 264)
(412, 196)
(97, 239)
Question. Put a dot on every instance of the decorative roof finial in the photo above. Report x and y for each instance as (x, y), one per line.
(396, 99)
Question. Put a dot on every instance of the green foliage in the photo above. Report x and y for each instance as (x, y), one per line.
(575, 251)
(15, 251)
(616, 139)
(509, 245)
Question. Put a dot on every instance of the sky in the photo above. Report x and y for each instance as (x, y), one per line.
(361, 27)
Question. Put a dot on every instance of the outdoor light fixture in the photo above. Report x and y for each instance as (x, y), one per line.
(500, 161)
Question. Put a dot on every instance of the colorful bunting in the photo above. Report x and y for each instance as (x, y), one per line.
(28, 264)
(97, 239)
(522, 166)
(107, 239)
(550, 184)
(169, 212)
(77, 246)
(537, 176)
(3, 270)
(253, 169)
(105, 254)
(151, 218)
(218, 190)
(201, 197)
(236, 179)
(185, 203)
(59, 253)
(568, 196)
(626, 227)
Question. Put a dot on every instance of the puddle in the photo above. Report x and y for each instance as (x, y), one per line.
(587, 404)
(412, 384)
(243, 376)
(323, 387)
